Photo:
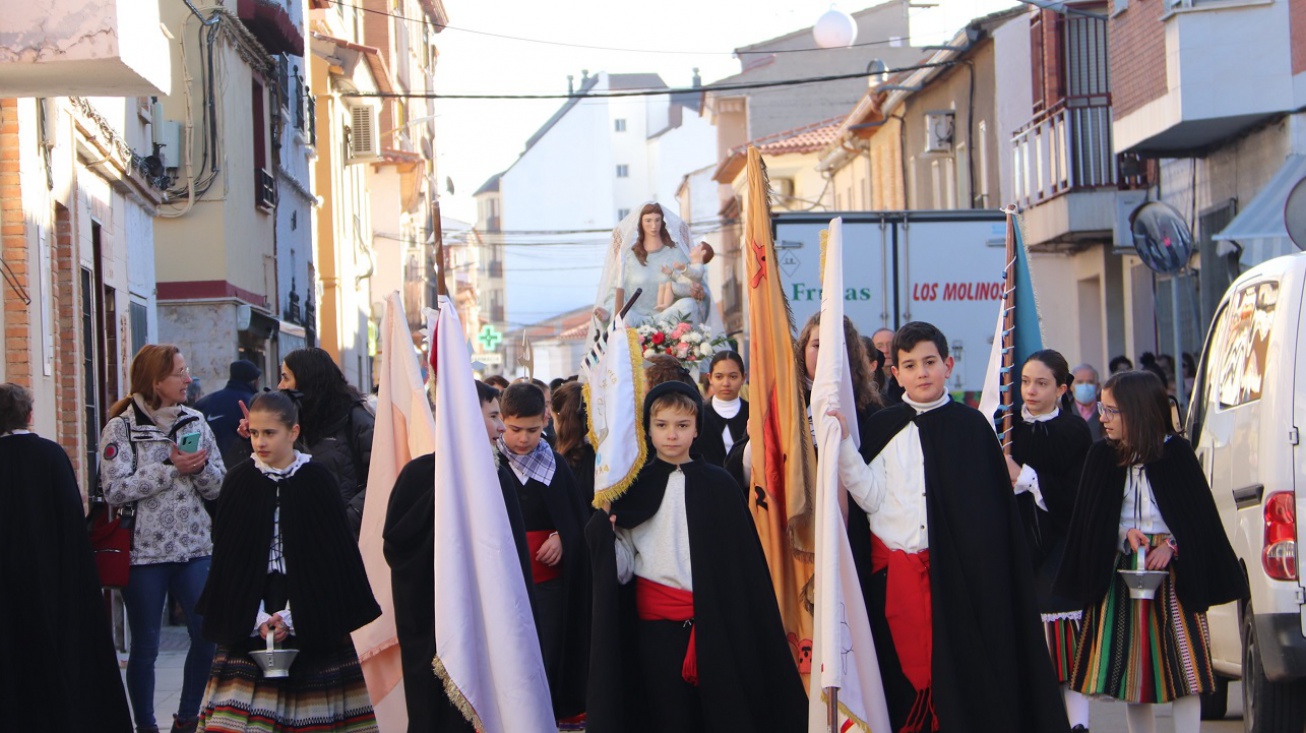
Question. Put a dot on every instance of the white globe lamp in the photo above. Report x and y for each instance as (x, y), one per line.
(835, 29)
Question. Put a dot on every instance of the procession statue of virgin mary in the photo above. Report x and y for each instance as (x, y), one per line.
(652, 253)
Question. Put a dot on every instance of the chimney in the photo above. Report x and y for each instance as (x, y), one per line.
(698, 80)
(571, 87)
(584, 75)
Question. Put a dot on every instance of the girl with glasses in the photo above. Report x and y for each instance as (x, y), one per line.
(1142, 487)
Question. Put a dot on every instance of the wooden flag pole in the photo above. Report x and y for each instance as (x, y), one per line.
(1006, 380)
(832, 709)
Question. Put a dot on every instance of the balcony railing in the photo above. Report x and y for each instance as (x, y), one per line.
(1065, 149)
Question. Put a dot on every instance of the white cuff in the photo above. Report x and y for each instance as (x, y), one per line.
(1028, 481)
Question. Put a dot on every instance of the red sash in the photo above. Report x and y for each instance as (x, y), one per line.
(907, 609)
(539, 571)
(657, 602)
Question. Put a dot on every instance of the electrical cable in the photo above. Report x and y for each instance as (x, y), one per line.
(652, 92)
(736, 52)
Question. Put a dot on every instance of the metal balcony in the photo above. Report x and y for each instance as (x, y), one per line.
(265, 190)
(1067, 148)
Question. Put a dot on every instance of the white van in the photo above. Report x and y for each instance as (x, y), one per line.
(1249, 403)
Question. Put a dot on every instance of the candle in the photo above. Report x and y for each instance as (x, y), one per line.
(1142, 557)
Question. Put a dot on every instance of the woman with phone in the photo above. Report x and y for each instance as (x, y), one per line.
(159, 460)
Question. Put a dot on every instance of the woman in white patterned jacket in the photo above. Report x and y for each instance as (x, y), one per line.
(159, 461)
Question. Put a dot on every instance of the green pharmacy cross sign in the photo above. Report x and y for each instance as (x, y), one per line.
(490, 338)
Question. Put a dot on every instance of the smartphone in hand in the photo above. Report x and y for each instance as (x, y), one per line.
(189, 443)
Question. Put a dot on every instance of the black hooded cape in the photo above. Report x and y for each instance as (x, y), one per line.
(1206, 569)
(567, 509)
(1055, 449)
(748, 681)
(325, 581)
(709, 446)
(990, 664)
(409, 546)
(58, 670)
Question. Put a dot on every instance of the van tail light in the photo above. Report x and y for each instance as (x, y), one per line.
(1280, 554)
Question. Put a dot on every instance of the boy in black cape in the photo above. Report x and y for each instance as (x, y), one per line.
(409, 547)
(553, 514)
(695, 643)
(943, 561)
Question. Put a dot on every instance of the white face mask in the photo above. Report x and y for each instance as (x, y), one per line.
(1085, 394)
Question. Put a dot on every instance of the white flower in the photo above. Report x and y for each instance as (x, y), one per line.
(706, 349)
(649, 352)
(694, 337)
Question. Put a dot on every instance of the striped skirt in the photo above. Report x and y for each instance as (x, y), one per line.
(1142, 651)
(1063, 641)
(324, 692)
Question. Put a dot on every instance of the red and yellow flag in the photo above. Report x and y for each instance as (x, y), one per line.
(783, 464)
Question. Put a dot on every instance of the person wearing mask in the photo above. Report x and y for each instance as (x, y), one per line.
(1085, 392)
(58, 669)
(160, 458)
(222, 410)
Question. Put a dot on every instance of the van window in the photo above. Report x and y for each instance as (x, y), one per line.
(1242, 340)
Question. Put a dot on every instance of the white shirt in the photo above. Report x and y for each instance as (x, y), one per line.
(276, 556)
(891, 488)
(727, 410)
(1139, 507)
(1028, 479)
(658, 549)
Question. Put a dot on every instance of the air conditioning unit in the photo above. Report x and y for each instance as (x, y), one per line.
(1126, 203)
(939, 132)
(364, 134)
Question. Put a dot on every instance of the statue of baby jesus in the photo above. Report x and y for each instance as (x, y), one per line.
(682, 278)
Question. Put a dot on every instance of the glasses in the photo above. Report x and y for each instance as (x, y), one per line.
(183, 374)
(1107, 412)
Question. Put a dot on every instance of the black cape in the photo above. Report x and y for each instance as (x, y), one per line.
(326, 583)
(568, 513)
(1055, 449)
(747, 677)
(58, 669)
(409, 546)
(709, 445)
(990, 665)
(1207, 572)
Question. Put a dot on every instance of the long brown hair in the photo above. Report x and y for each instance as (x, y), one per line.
(569, 421)
(641, 253)
(1145, 410)
(865, 393)
(151, 365)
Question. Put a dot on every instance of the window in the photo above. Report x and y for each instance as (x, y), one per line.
(1241, 344)
(622, 214)
(619, 125)
(623, 171)
(140, 324)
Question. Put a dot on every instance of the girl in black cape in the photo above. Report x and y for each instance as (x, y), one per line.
(640, 673)
(285, 563)
(1048, 444)
(725, 416)
(1143, 486)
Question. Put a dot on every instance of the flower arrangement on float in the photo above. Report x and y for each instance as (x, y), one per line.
(689, 343)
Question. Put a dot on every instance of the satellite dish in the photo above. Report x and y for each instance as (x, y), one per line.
(1294, 214)
(1161, 237)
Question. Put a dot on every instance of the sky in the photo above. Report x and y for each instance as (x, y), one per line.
(478, 138)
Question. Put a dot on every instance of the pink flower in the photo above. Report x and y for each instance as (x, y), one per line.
(682, 350)
(681, 330)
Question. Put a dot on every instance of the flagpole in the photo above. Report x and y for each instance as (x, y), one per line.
(1006, 378)
(832, 709)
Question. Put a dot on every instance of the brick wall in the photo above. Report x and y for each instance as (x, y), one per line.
(13, 241)
(1297, 24)
(1137, 51)
(67, 312)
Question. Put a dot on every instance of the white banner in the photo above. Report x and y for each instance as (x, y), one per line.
(614, 393)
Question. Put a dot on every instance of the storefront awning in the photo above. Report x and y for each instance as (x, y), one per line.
(1259, 227)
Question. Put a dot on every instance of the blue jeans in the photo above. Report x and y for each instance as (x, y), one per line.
(147, 588)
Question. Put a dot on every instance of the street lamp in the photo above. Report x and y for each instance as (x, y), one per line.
(835, 29)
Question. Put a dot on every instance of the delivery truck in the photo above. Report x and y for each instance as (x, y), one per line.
(945, 267)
